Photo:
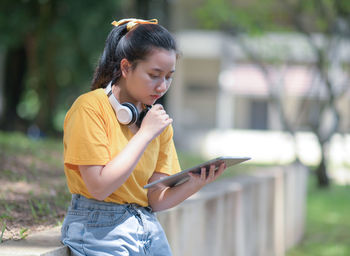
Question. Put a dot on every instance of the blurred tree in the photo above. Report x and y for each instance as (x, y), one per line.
(51, 49)
(330, 18)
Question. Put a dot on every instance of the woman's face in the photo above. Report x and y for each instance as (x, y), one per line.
(150, 79)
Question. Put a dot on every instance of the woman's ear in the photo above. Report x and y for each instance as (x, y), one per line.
(125, 67)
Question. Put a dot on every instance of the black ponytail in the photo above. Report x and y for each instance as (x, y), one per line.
(134, 45)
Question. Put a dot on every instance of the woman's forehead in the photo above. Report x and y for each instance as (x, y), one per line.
(161, 60)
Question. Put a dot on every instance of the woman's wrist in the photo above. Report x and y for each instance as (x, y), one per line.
(143, 133)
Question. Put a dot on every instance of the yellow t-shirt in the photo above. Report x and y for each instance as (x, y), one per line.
(93, 136)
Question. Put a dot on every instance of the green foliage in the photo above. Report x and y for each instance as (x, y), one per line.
(259, 16)
(63, 40)
(252, 17)
(29, 106)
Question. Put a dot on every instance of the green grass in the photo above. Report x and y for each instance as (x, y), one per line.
(327, 223)
(14, 143)
(3, 227)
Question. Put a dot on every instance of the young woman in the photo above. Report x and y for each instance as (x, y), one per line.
(116, 140)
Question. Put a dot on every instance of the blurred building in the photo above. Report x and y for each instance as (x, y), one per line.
(218, 86)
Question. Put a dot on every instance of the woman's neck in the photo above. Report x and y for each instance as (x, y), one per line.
(123, 96)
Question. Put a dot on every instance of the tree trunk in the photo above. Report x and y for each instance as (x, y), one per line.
(321, 172)
(15, 69)
(48, 90)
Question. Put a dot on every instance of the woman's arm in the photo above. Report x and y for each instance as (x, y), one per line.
(101, 180)
(161, 197)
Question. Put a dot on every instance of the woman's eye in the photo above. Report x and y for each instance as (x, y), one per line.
(154, 76)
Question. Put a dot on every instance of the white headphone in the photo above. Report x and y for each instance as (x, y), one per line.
(126, 112)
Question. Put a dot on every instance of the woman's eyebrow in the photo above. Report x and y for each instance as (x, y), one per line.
(161, 70)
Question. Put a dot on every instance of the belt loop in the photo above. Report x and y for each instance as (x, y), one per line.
(129, 209)
(149, 209)
(74, 201)
(132, 209)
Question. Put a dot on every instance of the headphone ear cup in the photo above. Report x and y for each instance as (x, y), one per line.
(142, 115)
(134, 112)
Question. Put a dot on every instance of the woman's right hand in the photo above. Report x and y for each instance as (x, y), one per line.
(155, 121)
(101, 181)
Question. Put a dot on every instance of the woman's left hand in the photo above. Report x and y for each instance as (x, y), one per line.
(162, 197)
(202, 179)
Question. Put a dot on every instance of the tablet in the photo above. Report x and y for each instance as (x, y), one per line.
(181, 177)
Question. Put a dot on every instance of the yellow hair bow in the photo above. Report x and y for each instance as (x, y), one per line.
(133, 22)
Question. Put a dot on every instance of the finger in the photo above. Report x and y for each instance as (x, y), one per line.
(158, 106)
(203, 173)
(211, 171)
(193, 175)
(168, 121)
(221, 169)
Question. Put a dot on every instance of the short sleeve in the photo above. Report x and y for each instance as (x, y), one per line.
(85, 138)
(168, 161)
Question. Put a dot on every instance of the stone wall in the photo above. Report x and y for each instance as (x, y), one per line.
(261, 214)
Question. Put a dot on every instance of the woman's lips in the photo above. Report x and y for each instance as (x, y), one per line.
(155, 97)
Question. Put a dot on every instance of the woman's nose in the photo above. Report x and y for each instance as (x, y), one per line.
(162, 86)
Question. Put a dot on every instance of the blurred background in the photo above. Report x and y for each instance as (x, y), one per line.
(265, 79)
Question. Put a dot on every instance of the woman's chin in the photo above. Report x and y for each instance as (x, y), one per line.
(150, 102)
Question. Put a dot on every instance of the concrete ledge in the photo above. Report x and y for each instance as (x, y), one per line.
(46, 243)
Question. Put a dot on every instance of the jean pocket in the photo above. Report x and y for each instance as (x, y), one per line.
(106, 218)
(75, 231)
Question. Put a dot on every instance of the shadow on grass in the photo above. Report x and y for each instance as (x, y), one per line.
(33, 191)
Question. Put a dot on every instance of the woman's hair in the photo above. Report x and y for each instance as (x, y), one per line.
(132, 45)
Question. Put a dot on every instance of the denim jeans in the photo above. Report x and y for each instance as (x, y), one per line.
(93, 227)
